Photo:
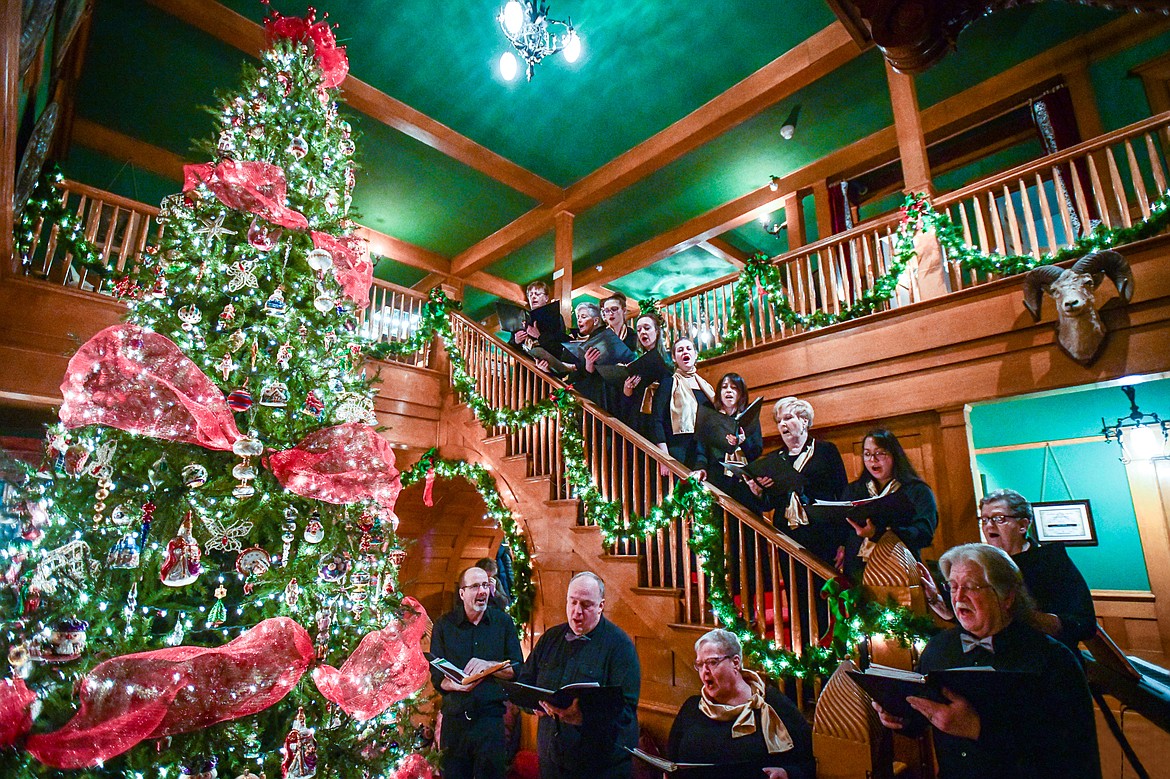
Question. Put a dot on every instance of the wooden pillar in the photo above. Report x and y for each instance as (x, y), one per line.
(794, 217)
(9, 102)
(955, 491)
(908, 124)
(824, 210)
(1084, 101)
(1149, 485)
(563, 263)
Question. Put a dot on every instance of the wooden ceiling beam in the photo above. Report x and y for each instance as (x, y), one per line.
(720, 248)
(230, 27)
(486, 282)
(808, 61)
(120, 146)
(504, 241)
(406, 253)
(939, 120)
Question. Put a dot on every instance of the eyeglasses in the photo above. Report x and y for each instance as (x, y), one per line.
(480, 586)
(878, 455)
(711, 662)
(998, 519)
(957, 587)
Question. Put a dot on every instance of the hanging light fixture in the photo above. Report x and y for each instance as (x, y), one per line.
(535, 36)
(1141, 435)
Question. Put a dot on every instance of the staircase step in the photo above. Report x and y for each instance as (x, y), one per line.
(621, 558)
(495, 439)
(555, 502)
(696, 629)
(587, 529)
(515, 458)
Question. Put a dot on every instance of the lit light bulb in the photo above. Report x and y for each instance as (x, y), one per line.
(1144, 442)
(508, 66)
(513, 17)
(573, 47)
(787, 131)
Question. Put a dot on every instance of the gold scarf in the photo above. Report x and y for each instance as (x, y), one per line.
(683, 406)
(776, 735)
(795, 513)
(868, 544)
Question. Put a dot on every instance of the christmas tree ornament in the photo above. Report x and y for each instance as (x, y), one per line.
(226, 366)
(189, 316)
(236, 341)
(299, 754)
(319, 260)
(20, 660)
(292, 593)
(223, 537)
(275, 395)
(132, 598)
(353, 407)
(314, 530)
(249, 775)
(324, 620)
(244, 473)
(181, 565)
(159, 290)
(285, 82)
(76, 458)
(397, 557)
(253, 561)
(350, 179)
(332, 202)
(330, 339)
(314, 406)
(261, 237)
(242, 275)
(65, 641)
(213, 227)
(125, 554)
(178, 632)
(228, 314)
(68, 565)
(324, 300)
(121, 515)
(200, 768)
(226, 144)
(240, 400)
(217, 614)
(287, 536)
(346, 147)
(194, 476)
(101, 467)
(298, 147)
(159, 472)
(333, 568)
(283, 356)
(275, 305)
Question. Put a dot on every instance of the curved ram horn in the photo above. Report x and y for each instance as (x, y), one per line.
(1111, 264)
(1034, 284)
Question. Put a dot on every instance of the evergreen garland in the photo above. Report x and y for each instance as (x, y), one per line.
(47, 206)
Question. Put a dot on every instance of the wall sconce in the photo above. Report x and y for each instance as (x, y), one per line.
(1141, 435)
(788, 129)
(773, 228)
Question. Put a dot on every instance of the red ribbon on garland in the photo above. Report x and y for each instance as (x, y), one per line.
(255, 187)
(147, 695)
(330, 57)
(133, 379)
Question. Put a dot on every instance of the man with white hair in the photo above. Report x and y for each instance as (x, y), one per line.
(572, 742)
(1045, 729)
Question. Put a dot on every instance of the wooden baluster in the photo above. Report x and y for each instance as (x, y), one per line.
(1155, 163)
(689, 605)
(794, 607)
(1080, 200)
(796, 269)
(1017, 240)
(981, 226)
(1139, 181)
(1029, 220)
(1119, 198)
(1099, 195)
(1064, 207)
(1046, 214)
(866, 262)
(997, 224)
(971, 279)
(823, 303)
(813, 591)
(858, 251)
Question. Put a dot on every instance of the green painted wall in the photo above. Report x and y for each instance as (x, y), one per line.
(1092, 471)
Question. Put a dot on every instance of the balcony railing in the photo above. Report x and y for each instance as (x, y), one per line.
(629, 469)
(1031, 210)
(120, 229)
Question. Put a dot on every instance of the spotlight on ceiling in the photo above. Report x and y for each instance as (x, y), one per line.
(527, 26)
(788, 129)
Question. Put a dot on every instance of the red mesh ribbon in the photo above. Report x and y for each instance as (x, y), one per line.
(351, 265)
(15, 717)
(139, 381)
(414, 766)
(429, 488)
(342, 464)
(256, 187)
(387, 666)
(330, 57)
(148, 695)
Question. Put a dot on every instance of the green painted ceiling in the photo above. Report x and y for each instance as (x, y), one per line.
(645, 65)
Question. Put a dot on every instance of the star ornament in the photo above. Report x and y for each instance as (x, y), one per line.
(213, 228)
(242, 274)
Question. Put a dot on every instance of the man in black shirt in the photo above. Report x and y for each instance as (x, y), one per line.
(474, 636)
(588, 648)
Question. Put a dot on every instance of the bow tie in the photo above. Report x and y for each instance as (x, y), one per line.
(970, 642)
(571, 636)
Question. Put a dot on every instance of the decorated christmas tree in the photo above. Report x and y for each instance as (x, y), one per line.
(206, 581)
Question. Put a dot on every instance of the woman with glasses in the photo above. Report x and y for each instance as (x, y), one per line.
(738, 722)
(887, 470)
(1040, 728)
(1064, 605)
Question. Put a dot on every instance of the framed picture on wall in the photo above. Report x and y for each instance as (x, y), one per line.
(1068, 522)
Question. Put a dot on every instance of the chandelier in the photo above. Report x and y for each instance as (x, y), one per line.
(1142, 435)
(534, 35)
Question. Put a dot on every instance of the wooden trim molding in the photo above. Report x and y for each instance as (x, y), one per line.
(119, 146)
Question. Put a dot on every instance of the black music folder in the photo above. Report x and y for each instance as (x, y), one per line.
(650, 366)
(982, 685)
(590, 694)
(713, 427)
